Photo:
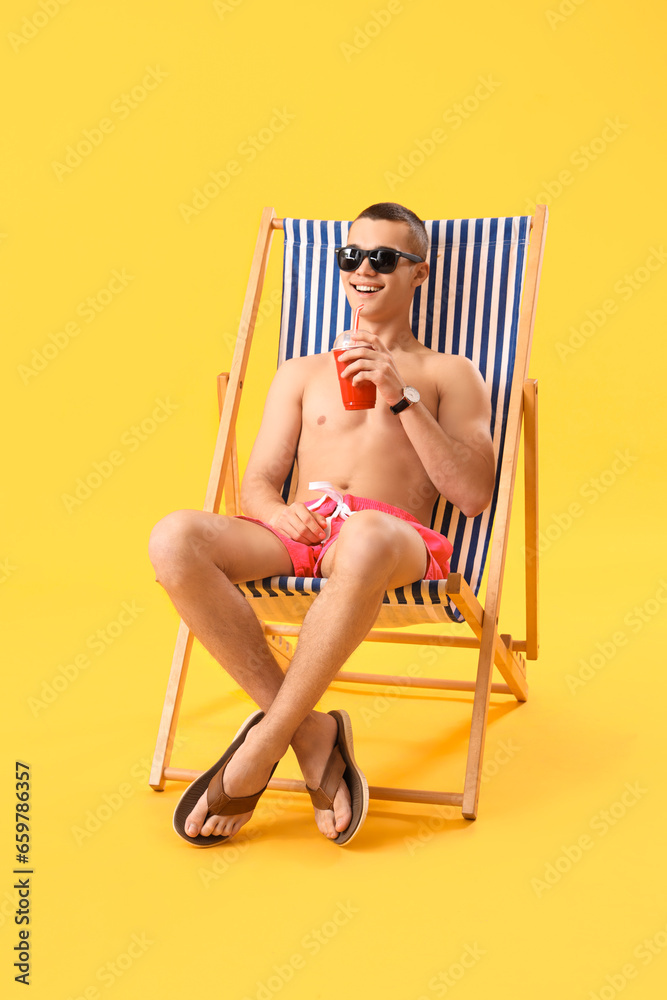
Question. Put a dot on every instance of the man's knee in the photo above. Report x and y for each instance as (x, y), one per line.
(181, 539)
(367, 545)
(168, 538)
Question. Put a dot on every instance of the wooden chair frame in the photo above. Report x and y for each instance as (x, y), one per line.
(502, 650)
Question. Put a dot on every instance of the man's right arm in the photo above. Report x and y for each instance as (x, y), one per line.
(272, 457)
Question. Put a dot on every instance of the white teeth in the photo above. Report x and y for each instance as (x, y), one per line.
(366, 288)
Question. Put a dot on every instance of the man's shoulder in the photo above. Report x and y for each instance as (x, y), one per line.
(451, 365)
(305, 367)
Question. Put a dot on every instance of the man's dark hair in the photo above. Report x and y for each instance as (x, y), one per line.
(393, 212)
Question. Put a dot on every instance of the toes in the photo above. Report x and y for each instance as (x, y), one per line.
(198, 822)
(328, 822)
(224, 826)
(342, 809)
(325, 823)
(331, 822)
(193, 824)
(212, 826)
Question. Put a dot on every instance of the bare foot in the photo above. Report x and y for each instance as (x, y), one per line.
(249, 769)
(246, 773)
(313, 743)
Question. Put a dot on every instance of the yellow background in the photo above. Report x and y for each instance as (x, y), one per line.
(359, 87)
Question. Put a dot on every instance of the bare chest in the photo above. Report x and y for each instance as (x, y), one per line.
(324, 415)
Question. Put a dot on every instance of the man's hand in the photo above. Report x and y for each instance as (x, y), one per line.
(372, 362)
(299, 523)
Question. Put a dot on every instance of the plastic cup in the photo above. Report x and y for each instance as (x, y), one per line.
(355, 397)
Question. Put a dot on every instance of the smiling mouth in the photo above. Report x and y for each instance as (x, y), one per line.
(367, 288)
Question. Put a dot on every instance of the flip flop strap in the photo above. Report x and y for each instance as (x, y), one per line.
(323, 796)
(221, 804)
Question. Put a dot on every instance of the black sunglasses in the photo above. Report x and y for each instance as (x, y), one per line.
(382, 259)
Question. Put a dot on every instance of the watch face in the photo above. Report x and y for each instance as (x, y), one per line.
(411, 394)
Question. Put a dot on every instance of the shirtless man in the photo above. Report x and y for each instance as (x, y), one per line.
(438, 444)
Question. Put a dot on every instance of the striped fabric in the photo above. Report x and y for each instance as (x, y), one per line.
(287, 598)
(468, 305)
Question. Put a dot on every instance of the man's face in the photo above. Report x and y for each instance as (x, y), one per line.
(384, 296)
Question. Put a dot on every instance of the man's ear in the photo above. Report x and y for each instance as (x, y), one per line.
(421, 273)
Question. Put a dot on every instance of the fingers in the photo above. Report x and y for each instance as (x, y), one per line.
(365, 369)
(358, 359)
(371, 362)
(313, 524)
(363, 351)
(367, 356)
(301, 524)
(371, 366)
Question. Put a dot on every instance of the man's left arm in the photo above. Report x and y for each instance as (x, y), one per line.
(455, 446)
(456, 449)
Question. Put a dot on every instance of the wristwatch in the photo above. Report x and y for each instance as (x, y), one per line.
(410, 396)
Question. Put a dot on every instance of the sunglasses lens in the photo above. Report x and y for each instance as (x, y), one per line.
(384, 260)
(349, 258)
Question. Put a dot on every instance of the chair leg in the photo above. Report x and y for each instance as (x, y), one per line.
(509, 662)
(480, 714)
(171, 707)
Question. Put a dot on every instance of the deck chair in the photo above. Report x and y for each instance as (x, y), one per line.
(480, 299)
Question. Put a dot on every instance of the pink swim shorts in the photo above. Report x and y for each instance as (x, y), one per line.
(307, 559)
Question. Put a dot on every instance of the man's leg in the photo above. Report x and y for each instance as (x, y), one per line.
(198, 556)
(374, 552)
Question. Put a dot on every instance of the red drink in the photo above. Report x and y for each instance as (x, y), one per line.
(355, 397)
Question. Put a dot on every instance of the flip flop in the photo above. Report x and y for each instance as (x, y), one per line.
(341, 766)
(220, 804)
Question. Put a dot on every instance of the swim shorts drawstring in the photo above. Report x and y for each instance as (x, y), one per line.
(330, 493)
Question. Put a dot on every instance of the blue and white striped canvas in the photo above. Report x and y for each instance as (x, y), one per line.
(468, 305)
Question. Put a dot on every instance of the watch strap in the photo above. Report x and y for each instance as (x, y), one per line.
(400, 406)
